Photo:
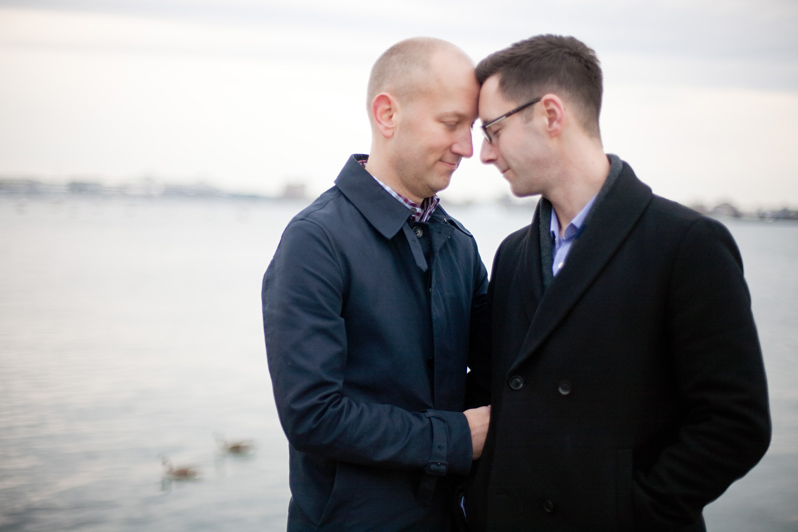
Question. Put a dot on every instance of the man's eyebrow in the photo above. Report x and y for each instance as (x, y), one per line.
(454, 114)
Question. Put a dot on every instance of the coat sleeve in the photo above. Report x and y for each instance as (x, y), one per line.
(726, 428)
(303, 296)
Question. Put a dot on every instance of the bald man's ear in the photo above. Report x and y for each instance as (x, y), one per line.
(383, 108)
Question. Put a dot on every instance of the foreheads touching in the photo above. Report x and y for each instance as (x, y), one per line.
(549, 64)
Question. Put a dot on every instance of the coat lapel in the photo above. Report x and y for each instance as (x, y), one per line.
(614, 218)
(530, 285)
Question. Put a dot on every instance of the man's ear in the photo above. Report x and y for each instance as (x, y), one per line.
(384, 108)
(554, 112)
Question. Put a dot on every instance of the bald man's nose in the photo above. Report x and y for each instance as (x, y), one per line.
(464, 147)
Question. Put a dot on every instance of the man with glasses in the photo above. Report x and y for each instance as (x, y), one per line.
(627, 383)
(371, 305)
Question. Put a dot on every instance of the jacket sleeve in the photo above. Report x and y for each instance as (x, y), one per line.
(478, 378)
(304, 291)
(721, 381)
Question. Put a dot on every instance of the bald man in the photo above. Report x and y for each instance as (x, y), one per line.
(372, 305)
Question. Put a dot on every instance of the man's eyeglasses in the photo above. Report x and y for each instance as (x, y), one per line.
(485, 126)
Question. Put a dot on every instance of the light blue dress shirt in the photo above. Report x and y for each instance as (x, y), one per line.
(562, 245)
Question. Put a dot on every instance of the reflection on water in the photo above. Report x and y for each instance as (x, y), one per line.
(131, 331)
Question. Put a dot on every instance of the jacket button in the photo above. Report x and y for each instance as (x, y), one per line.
(564, 387)
(548, 506)
(419, 231)
(516, 382)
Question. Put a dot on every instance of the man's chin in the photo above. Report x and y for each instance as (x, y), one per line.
(442, 182)
(519, 191)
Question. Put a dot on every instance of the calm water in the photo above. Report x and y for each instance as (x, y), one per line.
(130, 329)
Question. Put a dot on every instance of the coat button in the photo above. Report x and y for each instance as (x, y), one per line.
(548, 506)
(419, 231)
(564, 388)
(516, 382)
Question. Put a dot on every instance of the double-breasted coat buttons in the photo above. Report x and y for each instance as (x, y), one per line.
(564, 387)
(516, 382)
(548, 506)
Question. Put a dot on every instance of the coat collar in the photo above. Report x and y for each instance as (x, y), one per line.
(387, 215)
(378, 207)
(610, 222)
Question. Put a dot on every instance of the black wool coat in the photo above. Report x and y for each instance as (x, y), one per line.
(631, 391)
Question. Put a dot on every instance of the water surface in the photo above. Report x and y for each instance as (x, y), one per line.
(132, 328)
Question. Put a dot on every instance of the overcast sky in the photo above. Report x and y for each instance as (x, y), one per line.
(701, 97)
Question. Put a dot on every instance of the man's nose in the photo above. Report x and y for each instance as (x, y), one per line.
(463, 147)
(488, 152)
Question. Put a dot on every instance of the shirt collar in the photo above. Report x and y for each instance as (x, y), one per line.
(576, 226)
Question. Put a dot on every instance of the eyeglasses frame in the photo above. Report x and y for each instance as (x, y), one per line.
(485, 126)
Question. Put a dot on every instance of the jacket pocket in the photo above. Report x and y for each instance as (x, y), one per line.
(338, 503)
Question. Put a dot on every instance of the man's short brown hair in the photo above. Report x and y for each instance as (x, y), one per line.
(549, 64)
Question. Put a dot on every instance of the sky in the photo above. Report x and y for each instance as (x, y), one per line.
(700, 97)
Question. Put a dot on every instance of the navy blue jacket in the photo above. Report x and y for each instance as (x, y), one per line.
(368, 347)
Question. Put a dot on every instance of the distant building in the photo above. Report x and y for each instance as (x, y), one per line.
(726, 209)
(145, 186)
(294, 191)
(85, 187)
(19, 186)
(781, 214)
(699, 207)
(197, 190)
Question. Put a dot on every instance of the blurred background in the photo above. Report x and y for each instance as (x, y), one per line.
(251, 95)
(151, 153)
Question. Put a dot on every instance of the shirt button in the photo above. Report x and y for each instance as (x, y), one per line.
(564, 388)
(516, 382)
(419, 231)
(548, 506)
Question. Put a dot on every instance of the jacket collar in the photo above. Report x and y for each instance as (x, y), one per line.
(610, 222)
(378, 207)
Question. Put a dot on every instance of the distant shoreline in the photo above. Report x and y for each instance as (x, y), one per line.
(145, 190)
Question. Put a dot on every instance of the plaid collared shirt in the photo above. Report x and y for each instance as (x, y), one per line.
(419, 213)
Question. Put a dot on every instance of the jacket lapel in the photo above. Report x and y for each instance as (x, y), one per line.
(530, 285)
(614, 218)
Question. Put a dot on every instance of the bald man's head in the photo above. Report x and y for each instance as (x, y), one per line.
(422, 102)
(404, 68)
